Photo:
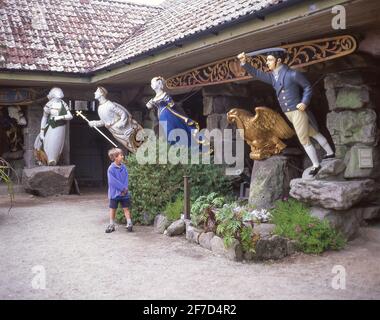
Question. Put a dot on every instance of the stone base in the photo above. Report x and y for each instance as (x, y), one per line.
(270, 180)
(48, 180)
(337, 195)
(349, 221)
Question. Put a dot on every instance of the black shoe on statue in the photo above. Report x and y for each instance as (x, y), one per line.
(328, 156)
(314, 170)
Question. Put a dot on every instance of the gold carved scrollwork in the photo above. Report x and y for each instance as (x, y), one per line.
(299, 55)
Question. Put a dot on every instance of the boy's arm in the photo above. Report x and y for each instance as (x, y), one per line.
(112, 181)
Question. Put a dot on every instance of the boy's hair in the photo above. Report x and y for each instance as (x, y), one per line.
(114, 152)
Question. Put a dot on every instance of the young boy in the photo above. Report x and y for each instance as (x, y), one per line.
(117, 174)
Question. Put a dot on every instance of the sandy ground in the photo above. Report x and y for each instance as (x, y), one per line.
(63, 238)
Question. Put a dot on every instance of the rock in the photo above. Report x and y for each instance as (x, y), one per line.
(205, 239)
(330, 169)
(234, 252)
(176, 228)
(354, 170)
(147, 218)
(347, 222)
(275, 247)
(193, 233)
(349, 127)
(338, 195)
(270, 180)
(249, 256)
(207, 105)
(161, 223)
(341, 151)
(217, 245)
(339, 80)
(292, 247)
(213, 121)
(352, 97)
(48, 180)
(265, 230)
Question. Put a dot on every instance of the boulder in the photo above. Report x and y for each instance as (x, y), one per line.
(205, 239)
(48, 180)
(355, 169)
(274, 247)
(339, 80)
(347, 222)
(270, 180)
(350, 127)
(338, 195)
(176, 228)
(331, 169)
(352, 97)
(193, 233)
(161, 222)
(264, 230)
(234, 252)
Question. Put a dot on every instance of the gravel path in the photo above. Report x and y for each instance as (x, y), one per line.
(64, 237)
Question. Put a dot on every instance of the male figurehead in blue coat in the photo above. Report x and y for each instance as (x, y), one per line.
(294, 94)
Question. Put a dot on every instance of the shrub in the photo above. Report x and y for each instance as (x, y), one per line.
(173, 210)
(231, 226)
(153, 186)
(293, 220)
(203, 208)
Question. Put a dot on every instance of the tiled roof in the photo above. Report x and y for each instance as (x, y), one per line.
(80, 36)
(65, 35)
(181, 19)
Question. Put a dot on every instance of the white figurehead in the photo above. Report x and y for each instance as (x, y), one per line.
(118, 121)
(49, 143)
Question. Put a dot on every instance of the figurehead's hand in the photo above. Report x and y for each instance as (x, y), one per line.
(242, 57)
(150, 104)
(301, 106)
(92, 124)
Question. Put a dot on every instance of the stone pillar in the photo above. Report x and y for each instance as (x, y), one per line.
(352, 122)
(217, 101)
(271, 178)
(34, 115)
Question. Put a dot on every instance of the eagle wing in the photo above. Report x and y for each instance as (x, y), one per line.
(268, 120)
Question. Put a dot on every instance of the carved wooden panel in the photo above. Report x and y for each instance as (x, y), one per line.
(299, 55)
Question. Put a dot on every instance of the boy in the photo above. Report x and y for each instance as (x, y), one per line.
(117, 174)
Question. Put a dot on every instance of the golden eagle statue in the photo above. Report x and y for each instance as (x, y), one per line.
(262, 131)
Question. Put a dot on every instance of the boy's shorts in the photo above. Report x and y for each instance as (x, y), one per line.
(124, 201)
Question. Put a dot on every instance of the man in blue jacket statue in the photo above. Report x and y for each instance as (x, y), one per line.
(294, 94)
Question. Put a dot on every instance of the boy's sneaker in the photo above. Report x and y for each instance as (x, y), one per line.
(110, 228)
(129, 228)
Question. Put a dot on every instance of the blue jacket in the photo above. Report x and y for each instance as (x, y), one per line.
(117, 180)
(292, 88)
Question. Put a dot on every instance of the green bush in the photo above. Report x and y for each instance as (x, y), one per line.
(200, 210)
(173, 210)
(231, 226)
(293, 220)
(153, 186)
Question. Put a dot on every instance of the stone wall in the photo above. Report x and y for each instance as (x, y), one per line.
(352, 122)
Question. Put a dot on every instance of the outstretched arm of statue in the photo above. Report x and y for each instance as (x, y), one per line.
(94, 123)
(260, 75)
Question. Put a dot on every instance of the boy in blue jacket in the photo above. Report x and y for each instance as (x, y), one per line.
(117, 174)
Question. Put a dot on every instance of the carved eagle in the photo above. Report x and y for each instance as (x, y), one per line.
(262, 131)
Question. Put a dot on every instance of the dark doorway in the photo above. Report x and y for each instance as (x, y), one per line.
(89, 152)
